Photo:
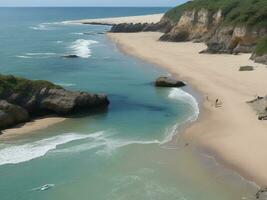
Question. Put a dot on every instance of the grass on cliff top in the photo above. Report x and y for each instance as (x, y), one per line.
(246, 12)
(261, 47)
(16, 84)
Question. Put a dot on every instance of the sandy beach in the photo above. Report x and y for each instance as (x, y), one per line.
(117, 20)
(232, 132)
(29, 127)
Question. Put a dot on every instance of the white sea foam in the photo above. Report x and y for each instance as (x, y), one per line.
(59, 42)
(81, 47)
(105, 142)
(23, 57)
(21, 153)
(179, 94)
(40, 54)
(47, 26)
(14, 154)
(77, 33)
(42, 27)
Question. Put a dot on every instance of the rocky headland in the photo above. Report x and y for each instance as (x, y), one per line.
(22, 100)
(225, 26)
(230, 27)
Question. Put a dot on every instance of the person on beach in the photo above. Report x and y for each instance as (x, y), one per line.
(217, 103)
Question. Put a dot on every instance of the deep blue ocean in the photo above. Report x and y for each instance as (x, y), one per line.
(124, 154)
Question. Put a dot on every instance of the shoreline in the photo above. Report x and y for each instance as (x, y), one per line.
(29, 127)
(153, 18)
(214, 131)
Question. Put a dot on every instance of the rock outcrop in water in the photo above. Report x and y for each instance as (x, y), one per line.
(232, 26)
(162, 26)
(21, 99)
(168, 82)
(70, 56)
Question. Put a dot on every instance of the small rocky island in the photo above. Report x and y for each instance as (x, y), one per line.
(22, 100)
(168, 82)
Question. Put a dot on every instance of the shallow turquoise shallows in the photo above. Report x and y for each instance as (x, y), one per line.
(123, 154)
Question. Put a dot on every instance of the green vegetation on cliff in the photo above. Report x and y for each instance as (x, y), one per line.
(261, 47)
(246, 12)
(9, 83)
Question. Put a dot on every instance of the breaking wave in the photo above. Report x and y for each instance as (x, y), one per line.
(81, 47)
(179, 94)
(104, 142)
(47, 26)
(21, 153)
(23, 57)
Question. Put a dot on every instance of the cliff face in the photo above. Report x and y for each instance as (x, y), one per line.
(227, 26)
(207, 26)
(193, 25)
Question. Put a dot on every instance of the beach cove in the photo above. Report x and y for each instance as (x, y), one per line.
(231, 132)
(93, 154)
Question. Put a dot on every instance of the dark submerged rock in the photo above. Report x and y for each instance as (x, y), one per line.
(70, 56)
(168, 82)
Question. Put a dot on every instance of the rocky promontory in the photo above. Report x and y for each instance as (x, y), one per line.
(162, 26)
(22, 99)
(230, 27)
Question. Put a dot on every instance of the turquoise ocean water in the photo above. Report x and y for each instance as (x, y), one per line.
(123, 154)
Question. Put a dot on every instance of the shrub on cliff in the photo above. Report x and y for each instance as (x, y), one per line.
(261, 47)
(12, 84)
(247, 12)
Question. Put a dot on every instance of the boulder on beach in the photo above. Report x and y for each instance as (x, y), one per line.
(246, 68)
(259, 104)
(262, 193)
(168, 82)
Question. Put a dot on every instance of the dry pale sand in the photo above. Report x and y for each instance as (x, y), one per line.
(117, 20)
(231, 132)
(29, 127)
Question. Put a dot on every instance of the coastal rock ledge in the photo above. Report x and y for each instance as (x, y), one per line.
(22, 99)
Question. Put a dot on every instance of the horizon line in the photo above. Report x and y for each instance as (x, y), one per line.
(86, 6)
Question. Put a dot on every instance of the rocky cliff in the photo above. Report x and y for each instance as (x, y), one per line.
(22, 99)
(232, 26)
